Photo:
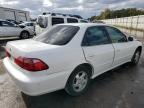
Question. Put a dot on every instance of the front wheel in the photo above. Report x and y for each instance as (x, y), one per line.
(136, 57)
(24, 35)
(78, 81)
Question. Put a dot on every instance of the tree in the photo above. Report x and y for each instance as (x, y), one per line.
(108, 14)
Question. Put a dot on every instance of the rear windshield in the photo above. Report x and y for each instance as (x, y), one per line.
(58, 35)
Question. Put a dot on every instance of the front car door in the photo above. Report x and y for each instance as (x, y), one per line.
(30, 26)
(10, 29)
(123, 48)
(98, 49)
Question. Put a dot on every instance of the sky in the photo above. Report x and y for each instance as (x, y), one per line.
(85, 8)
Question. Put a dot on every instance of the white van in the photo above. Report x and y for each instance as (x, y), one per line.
(48, 20)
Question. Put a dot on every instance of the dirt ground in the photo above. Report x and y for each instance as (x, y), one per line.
(120, 88)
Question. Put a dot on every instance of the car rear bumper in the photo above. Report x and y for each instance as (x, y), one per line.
(36, 85)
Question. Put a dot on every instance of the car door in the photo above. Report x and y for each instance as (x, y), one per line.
(10, 29)
(98, 49)
(30, 26)
(123, 49)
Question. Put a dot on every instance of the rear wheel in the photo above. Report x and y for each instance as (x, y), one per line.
(136, 57)
(78, 81)
(24, 35)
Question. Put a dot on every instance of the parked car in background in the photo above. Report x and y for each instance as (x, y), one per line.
(8, 29)
(46, 21)
(68, 56)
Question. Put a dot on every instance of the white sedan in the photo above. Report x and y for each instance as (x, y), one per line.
(68, 56)
(8, 29)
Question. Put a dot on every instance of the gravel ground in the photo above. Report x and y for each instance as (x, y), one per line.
(119, 88)
(10, 96)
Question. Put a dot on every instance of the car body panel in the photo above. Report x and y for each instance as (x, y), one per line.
(100, 56)
(123, 52)
(34, 85)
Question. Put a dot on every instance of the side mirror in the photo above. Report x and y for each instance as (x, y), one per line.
(130, 38)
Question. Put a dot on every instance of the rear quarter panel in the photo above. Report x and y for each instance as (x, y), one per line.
(60, 59)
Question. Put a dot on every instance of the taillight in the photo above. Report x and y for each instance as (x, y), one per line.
(7, 54)
(31, 64)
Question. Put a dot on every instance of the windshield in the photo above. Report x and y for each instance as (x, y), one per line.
(58, 35)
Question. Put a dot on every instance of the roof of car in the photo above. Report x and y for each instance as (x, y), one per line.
(84, 24)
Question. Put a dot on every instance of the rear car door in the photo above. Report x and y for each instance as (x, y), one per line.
(98, 49)
(123, 49)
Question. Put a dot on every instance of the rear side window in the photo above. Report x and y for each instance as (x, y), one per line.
(95, 36)
(57, 21)
(116, 35)
(58, 35)
(6, 24)
(72, 20)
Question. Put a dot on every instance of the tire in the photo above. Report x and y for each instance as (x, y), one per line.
(136, 57)
(78, 81)
(24, 35)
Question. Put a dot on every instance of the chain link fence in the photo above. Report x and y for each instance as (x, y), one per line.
(133, 25)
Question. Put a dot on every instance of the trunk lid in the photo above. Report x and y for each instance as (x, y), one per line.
(28, 47)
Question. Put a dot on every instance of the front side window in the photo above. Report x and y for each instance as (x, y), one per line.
(72, 20)
(116, 35)
(95, 36)
(29, 24)
(58, 35)
(57, 21)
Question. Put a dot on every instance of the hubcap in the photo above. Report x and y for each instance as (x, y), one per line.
(80, 81)
(137, 56)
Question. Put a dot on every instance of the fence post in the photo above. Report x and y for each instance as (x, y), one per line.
(131, 25)
(143, 38)
(123, 21)
(137, 25)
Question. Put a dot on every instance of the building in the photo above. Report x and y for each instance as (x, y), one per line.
(14, 14)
